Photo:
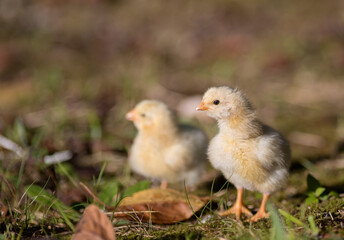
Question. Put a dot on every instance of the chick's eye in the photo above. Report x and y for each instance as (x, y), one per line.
(216, 102)
(143, 115)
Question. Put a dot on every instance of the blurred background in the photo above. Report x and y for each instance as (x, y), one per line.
(70, 70)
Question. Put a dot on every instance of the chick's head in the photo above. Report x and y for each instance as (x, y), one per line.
(150, 114)
(224, 102)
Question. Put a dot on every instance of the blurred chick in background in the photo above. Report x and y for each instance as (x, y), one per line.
(164, 150)
(250, 155)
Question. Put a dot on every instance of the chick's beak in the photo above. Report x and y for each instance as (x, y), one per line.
(131, 115)
(202, 107)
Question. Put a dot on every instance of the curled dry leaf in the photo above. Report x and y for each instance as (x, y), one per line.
(161, 206)
(94, 224)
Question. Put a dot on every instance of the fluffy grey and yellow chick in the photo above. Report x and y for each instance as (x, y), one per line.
(164, 150)
(250, 155)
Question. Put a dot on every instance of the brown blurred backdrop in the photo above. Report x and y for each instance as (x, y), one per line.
(72, 69)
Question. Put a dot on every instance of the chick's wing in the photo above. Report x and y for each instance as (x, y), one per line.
(272, 149)
(189, 149)
(178, 158)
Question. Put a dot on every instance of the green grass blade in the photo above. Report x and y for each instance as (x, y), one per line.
(108, 191)
(101, 173)
(312, 224)
(189, 203)
(277, 231)
(291, 218)
(39, 195)
(21, 171)
(65, 217)
(65, 172)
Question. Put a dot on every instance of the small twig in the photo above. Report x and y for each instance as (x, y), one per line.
(16, 210)
(220, 193)
(10, 187)
(138, 225)
(92, 194)
(116, 214)
(25, 193)
(331, 216)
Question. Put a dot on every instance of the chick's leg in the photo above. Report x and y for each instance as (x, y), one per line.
(163, 184)
(261, 212)
(238, 207)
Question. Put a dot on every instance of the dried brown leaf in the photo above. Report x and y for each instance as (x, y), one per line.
(161, 206)
(86, 236)
(94, 224)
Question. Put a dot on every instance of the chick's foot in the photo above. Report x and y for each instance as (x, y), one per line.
(237, 209)
(261, 212)
(259, 215)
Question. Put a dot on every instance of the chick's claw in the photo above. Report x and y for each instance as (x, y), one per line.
(237, 210)
(261, 212)
(259, 215)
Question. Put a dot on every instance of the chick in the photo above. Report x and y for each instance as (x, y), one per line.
(164, 150)
(250, 154)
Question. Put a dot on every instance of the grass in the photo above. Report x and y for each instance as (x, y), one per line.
(70, 72)
(39, 213)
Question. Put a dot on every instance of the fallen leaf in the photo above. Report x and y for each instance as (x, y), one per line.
(161, 206)
(86, 236)
(94, 224)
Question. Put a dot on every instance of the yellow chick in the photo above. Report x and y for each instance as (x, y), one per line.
(164, 150)
(250, 154)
